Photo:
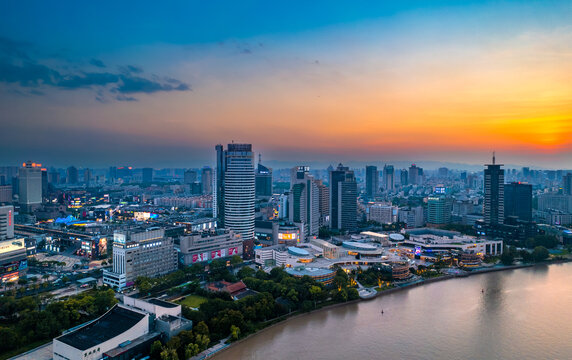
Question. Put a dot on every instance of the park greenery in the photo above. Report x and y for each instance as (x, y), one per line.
(32, 320)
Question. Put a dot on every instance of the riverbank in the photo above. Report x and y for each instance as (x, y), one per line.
(380, 293)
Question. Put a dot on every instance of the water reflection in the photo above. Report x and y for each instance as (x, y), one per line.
(522, 314)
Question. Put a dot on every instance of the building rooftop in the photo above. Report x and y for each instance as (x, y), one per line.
(113, 323)
(162, 303)
(302, 271)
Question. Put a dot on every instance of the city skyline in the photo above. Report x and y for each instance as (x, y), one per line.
(331, 83)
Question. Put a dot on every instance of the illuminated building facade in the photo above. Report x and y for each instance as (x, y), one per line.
(208, 245)
(234, 194)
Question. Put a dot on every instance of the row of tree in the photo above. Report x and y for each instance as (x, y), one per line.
(29, 319)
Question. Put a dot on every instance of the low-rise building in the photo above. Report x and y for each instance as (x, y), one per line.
(126, 331)
(431, 239)
(330, 251)
(208, 245)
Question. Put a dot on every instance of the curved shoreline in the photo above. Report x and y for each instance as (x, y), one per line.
(380, 293)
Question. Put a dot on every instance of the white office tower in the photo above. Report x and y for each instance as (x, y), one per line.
(234, 193)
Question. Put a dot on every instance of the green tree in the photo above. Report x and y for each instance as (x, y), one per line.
(507, 257)
(203, 341)
(245, 272)
(156, 349)
(316, 292)
(234, 332)
(201, 329)
(169, 354)
(540, 253)
(192, 350)
(341, 296)
(235, 260)
(353, 294)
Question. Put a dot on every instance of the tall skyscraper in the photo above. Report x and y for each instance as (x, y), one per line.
(518, 201)
(371, 181)
(324, 194)
(388, 178)
(44, 183)
(72, 177)
(30, 185)
(404, 177)
(304, 201)
(494, 194)
(263, 180)
(147, 175)
(87, 176)
(343, 199)
(567, 184)
(414, 175)
(190, 176)
(207, 180)
(234, 197)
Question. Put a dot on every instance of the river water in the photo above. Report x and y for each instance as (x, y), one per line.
(522, 314)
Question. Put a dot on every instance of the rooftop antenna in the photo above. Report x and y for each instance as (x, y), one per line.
(260, 158)
(493, 157)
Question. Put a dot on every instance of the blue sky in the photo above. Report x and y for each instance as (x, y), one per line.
(148, 83)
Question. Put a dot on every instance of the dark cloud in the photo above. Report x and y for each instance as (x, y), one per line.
(125, 98)
(87, 80)
(98, 63)
(26, 73)
(17, 68)
(135, 84)
(134, 69)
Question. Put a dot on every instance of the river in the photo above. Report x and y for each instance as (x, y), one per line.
(522, 314)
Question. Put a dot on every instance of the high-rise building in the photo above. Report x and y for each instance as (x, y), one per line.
(414, 175)
(30, 185)
(140, 252)
(112, 174)
(44, 183)
(324, 196)
(494, 194)
(518, 201)
(404, 177)
(567, 184)
(72, 176)
(207, 180)
(443, 172)
(5, 194)
(190, 176)
(343, 199)
(304, 200)
(6, 222)
(87, 176)
(388, 178)
(263, 181)
(234, 193)
(439, 210)
(147, 175)
(371, 181)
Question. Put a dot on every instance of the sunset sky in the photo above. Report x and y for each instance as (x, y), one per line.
(160, 83)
